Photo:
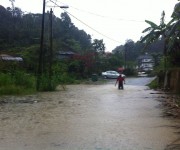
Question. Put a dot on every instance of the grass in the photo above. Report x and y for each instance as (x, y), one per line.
(17, 83)
(153, 84)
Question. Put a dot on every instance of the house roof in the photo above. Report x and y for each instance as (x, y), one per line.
(146, 56)
(10, 58)
(66, 53)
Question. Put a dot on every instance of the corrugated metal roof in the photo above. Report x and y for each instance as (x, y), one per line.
(10, 58)
(66, 53)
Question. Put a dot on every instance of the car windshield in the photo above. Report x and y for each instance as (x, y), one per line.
(114, 72)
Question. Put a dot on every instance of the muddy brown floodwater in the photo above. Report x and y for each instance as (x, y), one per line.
(87, 117)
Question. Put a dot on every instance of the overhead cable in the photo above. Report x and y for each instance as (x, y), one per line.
(86, 24)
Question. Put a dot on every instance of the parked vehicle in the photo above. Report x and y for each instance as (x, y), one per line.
(111, 74)
(142, 74)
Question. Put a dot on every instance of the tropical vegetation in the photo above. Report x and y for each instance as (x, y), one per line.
(169, 34)
(20, 35)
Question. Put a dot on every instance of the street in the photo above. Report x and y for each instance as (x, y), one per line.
(87, 117)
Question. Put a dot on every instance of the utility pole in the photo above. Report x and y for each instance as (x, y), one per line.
(40, 65)
(125, 57)
(51, 50)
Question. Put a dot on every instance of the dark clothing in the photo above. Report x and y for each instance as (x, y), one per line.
(120, 85)
(120, 80)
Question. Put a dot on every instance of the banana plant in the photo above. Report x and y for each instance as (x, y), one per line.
(158, 32)
(155, 32)
(174, 32)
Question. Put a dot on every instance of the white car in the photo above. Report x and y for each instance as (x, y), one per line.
(111, 74)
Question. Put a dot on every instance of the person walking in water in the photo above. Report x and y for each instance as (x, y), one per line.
(120, 81)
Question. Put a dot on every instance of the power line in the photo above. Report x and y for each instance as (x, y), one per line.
(102, 16)
(86, 24)
(107, 17)
(54, 6)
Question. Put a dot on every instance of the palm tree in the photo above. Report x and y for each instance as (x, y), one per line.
(174, 35)
(157, 32)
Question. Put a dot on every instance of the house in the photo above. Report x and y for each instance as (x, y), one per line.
(64, 54)
(145, 62)
(5, 57)
(8, 62)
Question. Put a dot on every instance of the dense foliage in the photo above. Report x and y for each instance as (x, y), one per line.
(20, 34)
(169, 34)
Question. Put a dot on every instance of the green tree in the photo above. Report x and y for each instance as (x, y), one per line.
(154, 32)
(157, 32)
(174, 36)
(98, 46)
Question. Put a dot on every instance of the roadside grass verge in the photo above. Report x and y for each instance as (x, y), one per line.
(22, 83)
(17, 83)
(153, 84)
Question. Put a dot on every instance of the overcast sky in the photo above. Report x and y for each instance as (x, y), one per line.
(114, 21)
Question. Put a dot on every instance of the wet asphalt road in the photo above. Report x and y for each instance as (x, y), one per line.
(88, 117)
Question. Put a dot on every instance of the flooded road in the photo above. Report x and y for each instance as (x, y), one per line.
(88, 117)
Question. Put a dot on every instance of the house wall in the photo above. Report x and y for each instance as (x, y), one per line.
(145, 64)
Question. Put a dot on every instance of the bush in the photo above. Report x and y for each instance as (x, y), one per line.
(24, 80)
(5, 79)
(16, 83)
(130, 72)
(153, 84)
(47, 84)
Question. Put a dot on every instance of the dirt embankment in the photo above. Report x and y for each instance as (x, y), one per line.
(170, 84)
(170, 104)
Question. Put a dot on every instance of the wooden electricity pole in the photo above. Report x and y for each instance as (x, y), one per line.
(40, 65)
(51, 50)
